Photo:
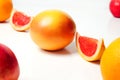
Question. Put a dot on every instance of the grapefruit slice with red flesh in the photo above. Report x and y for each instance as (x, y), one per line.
(90, 49)
(20, 21)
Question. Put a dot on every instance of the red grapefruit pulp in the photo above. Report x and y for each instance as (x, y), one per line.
(90, 49)
(19, 19)
(88, 45)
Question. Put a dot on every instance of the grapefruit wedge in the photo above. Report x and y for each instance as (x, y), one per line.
(20, 21)
(90, 49)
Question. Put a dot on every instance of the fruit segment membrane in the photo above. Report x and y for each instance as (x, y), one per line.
(20, 19)
(88, 45)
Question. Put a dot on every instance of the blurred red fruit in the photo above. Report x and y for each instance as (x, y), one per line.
(115, 8)
(9, 67)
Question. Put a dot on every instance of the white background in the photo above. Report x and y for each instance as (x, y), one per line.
(92, 18)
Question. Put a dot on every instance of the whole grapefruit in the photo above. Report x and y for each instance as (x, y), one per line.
(52, 29)
(6, 7)
(110, 61)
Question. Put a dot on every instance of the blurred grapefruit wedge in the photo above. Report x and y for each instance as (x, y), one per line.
(20, 21)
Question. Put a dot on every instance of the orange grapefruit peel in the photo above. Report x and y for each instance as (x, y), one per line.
(110, 61)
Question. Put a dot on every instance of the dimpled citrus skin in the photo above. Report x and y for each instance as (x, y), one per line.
(6, 7)
(52, 30)
(110, 61)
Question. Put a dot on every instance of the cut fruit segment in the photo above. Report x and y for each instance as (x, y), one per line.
(89, 48)
(20, 21)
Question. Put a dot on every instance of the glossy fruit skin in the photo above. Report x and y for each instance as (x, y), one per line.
(6, 7)
(110, 61)
(115, 8)
(9, 67)
(52, 30)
